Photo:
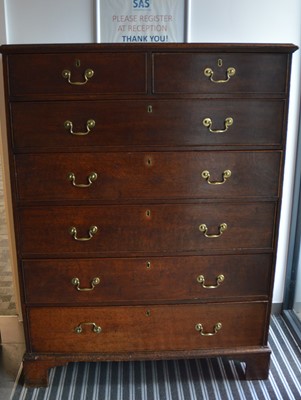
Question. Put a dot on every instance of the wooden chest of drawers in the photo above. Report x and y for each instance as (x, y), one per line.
(146, 186)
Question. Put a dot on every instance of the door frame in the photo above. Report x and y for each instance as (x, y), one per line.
(5, 170)
(294, 250)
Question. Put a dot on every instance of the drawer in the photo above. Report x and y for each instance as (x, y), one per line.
(48, 75)
(140, 280)
(152, 175)
(41, 126)
(243, 73)
(149, 228)
(146, 328)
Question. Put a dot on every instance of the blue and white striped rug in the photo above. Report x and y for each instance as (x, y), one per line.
(207, 379)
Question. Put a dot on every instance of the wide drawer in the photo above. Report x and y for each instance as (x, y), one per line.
(149, 228)
(243, 73)
(43, 125)
(70, 74)
(148, 328)
(137, 280)
(166, 175)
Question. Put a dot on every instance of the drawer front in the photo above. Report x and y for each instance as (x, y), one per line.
(138, 280)
(189, 73)
(147, 175)
(146, 123)
(43, 75)
(152, 328)
(148, 229)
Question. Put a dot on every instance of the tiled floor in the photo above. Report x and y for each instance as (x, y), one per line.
(7, 302)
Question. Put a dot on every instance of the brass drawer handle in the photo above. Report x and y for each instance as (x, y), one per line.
(95, 328)
(91, 178)
(209, 73)
(225, 175)
(76, 282)
(217, 327)
(68, 125)
(66, 74)
(92, 231)
(221, 229)
(219, 279)
(207, 122)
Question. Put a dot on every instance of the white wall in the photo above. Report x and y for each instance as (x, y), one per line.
(50, 21)
(274, 21)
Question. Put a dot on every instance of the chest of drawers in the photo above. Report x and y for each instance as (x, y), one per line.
(146, 185)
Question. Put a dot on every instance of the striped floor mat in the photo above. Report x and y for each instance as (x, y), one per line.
(176, 380)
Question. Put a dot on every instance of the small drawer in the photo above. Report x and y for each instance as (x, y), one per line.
(219, 73)
(152, 175)
(60, 75)
(150, 228)
(146, 328)
(67, 125)
(141, 280)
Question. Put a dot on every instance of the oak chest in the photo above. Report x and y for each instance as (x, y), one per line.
(146, 185)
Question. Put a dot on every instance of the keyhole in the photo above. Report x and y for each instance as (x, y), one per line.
(220, 62)
(77, 63)
(149, 109)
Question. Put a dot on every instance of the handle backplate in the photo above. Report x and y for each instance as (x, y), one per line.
(207, 122)
(91, 178)
(208, 72)
(76, 282)
(217, 327)
(219, 279)
(90, 124)
(225, 175)
(94, 327)
(221, 229)
(92, 231)
(88, 74)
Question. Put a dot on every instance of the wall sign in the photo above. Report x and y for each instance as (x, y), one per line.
(137, 21)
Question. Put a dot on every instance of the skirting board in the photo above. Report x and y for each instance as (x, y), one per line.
(277, 308)
(11, 329)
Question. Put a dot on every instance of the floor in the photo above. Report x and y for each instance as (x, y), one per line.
(205, 379)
